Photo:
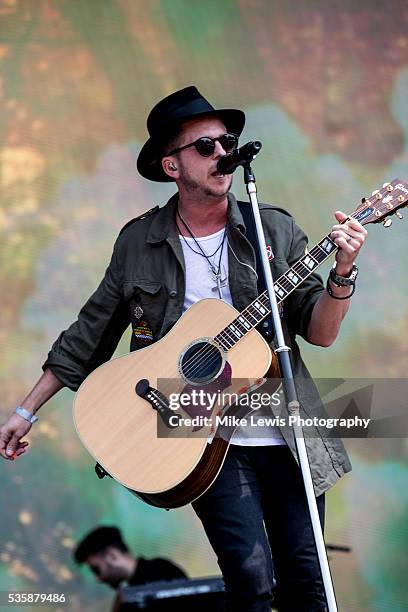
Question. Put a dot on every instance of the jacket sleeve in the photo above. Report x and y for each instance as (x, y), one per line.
(299, 305)
(92, 338)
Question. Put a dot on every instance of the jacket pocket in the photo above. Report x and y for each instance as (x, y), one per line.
(131, 287)
(147, 304)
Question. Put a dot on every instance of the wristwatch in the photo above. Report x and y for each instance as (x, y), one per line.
(343, 281)
(31, 418)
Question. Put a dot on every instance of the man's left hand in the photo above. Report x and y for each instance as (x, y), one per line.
(349, 237)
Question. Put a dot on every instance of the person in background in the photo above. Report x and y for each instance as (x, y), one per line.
(109, 558)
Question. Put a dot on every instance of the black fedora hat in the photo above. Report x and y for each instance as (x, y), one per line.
(165, 120)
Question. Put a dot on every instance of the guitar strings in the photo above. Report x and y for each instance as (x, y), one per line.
(210, 354)
(208, 350)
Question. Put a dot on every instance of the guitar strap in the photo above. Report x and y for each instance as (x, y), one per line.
(266, 327)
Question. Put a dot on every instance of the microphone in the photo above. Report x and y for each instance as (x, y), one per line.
(244, 155)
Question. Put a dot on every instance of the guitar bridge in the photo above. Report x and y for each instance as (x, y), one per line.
(158, 402)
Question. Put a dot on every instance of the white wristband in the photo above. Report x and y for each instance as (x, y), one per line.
(25, 414)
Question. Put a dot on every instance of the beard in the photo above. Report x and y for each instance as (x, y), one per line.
(195, 187)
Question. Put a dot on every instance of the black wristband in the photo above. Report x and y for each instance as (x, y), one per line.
(338, 297)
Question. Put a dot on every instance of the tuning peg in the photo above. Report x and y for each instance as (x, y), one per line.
(399, 215)
(385, 184)
(387, 223)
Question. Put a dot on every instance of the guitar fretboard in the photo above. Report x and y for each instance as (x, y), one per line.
(260, 308)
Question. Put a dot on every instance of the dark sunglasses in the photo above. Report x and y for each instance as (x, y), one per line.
(205, 145)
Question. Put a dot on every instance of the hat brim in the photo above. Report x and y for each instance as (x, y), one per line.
(149, 160)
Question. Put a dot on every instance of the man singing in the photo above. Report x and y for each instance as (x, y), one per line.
(255, 514)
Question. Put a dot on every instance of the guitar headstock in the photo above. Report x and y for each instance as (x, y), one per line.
(383, 203)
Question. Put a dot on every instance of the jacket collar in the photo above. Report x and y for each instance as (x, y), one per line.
(163, 226)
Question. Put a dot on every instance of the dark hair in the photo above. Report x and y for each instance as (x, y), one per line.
(98, 540)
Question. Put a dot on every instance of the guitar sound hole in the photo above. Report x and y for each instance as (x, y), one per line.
(201, 363)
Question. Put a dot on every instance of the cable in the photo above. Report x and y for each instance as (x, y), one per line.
(241, 262)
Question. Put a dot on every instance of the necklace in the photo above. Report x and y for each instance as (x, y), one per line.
(219, 273)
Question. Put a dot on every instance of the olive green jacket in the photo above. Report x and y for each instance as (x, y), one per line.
(147, 275)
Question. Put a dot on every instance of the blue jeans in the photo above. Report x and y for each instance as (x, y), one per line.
(256, 517)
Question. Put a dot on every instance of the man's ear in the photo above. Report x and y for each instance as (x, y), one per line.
(170, 167)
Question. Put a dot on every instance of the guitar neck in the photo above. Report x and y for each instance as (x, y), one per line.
(260, 308)
(380, 205)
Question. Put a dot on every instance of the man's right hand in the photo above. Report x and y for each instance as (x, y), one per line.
(16, 427)
(10, 435)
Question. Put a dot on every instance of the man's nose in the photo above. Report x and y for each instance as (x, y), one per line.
(219, 150)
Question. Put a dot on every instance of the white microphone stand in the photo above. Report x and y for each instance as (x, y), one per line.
(285, 364)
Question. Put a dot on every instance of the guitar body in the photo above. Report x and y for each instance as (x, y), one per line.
(120, 429)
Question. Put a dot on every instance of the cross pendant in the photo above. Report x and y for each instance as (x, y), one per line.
(221, 280)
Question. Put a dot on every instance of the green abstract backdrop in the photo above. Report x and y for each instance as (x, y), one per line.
(324, 85)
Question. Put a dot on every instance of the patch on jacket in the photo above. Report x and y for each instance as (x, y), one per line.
(138, 311)
(143, 333)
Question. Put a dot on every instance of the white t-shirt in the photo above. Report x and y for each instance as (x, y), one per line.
(200, 284)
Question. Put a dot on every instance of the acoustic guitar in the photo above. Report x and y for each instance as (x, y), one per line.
(123, 410)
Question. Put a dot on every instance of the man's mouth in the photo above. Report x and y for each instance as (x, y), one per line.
(218, 174)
